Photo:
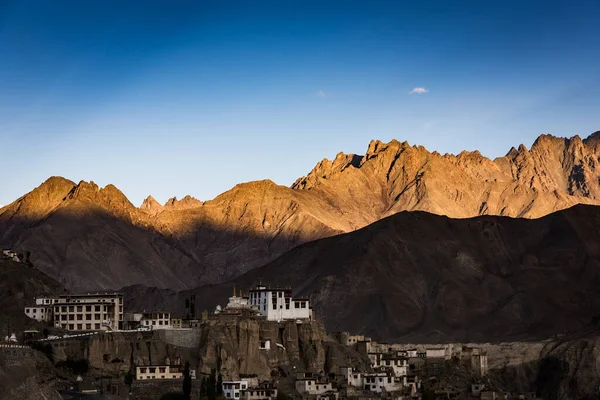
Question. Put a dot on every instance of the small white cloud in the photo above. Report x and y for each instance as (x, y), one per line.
(321, 94)
(419, 90)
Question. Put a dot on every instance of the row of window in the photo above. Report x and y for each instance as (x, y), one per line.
(79, 308)
(160, 322)
(34, 311)
(80, 327)
(152, 370)
(79, 317)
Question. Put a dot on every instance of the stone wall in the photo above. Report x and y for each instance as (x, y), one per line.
(188, 338)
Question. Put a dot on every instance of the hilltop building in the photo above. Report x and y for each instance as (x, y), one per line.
(277, 304)
(80, 312)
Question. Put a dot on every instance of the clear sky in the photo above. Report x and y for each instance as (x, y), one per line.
(173, 98)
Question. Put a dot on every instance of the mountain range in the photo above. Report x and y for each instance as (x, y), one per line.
(89, 237)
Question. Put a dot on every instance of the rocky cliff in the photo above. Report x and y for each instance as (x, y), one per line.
(89, 237)
(229, 345)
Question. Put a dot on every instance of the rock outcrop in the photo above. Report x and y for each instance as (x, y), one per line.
(91, 238)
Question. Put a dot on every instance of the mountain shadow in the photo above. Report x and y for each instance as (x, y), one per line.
(422, 277)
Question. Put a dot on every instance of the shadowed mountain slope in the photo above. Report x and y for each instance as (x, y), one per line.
(90, 238)
(422, 277)
(19, 284)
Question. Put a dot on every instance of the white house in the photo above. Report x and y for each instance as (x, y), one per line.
(312, 386)
(40, 313)
(156, 320)
(171, 369)
(278, 304)
(378, 381)
(439, 352)
(259, 393)
(353, 377)
(233, 389)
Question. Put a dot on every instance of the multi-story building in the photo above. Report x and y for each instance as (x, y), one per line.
(156, 320)
(89, 312)
(384, 380)
(313, 386)
(171, 369)
(278, 304)
(233, 389)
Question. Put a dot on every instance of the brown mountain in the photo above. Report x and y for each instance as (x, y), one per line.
(417, 276)
(90, 237)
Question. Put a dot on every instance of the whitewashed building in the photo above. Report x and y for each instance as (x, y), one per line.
(277, 304)
(377, 382)
(156, 320)
(89, 311)
(171, 369)
(312, 386)
(40, 313)
(233, 389)
(259, 393)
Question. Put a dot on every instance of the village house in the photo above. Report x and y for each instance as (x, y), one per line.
(171, 369)
(233, 389)
(380, 381)
(156, 320)
(265, 391)
(313, 386)
(477, 358)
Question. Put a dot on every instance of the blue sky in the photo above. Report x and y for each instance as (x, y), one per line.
(175, 98)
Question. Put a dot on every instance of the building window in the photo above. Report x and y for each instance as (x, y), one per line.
(71, 308)
(160, 322)
(88, 327)
(96, 316)
(161, 370)
(88, 308)
(27, 311)
(71, 327)
(96, 326)
(152, 370)
(79, 327)
(88, 317)
(79, 308)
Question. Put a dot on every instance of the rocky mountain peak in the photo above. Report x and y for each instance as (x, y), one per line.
(151, 206)
(185, 203)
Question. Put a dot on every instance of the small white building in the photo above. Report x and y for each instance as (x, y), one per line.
(40, 313)
(352, 376)
(259, 393)
(171, 369)
(278, 304)
(156, 320)
(233, 389)
(377, 382)
(438, 352)
(312, 386)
